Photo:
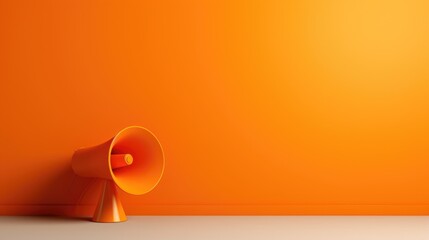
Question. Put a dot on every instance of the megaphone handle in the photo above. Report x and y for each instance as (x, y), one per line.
(109, 207)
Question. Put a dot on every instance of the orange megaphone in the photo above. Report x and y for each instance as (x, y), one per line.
(133, 159)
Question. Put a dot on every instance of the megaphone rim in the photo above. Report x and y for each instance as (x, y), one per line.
(112, 143)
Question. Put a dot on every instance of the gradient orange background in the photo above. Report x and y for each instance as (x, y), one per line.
(262, 107)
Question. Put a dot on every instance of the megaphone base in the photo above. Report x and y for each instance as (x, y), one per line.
(109, 208)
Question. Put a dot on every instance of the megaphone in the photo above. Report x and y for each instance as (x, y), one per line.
(132, 160)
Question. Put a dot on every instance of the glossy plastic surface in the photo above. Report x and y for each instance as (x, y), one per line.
(109, 208)
(138, 178)
(133, 160)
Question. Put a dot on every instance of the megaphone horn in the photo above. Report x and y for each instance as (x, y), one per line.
(133, 160)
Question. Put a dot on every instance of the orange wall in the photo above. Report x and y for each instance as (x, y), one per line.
(262, 107)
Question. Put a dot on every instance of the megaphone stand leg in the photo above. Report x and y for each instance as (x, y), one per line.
(109, 207)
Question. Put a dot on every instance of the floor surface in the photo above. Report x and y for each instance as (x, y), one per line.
(219, 227)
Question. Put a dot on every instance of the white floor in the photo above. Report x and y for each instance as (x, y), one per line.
(213, 227)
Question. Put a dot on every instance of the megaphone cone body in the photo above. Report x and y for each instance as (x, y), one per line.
(93, 161)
